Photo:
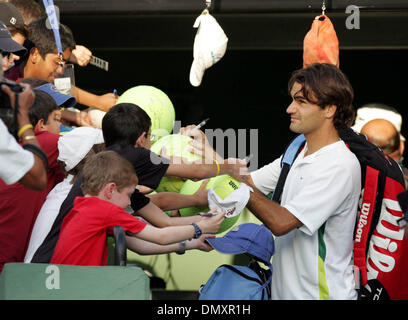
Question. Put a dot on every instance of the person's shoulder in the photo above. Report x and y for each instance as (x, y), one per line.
(340, 149)
(47, 137)
(80, 202)
(130, 151)
(338, 156)
(95, 206)
(139, 156)
(345, 160)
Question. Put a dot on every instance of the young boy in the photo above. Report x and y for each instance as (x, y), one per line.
(108, 183)
(74, 149)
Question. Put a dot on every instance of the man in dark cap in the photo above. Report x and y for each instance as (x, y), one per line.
(15, 31)
(28, 167)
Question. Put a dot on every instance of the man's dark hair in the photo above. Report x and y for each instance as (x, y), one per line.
(43, 37)
(324, 84)
(23, 30)
(124, 123)
(42, 107)
(29, 9)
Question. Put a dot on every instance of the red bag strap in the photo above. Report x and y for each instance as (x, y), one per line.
(364, 221)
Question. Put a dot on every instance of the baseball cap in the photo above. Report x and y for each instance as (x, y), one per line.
(210, 44)
(373, 111)
(75, 144)
(10, 15)
(62, 100)
(7, 44)
(251, 238)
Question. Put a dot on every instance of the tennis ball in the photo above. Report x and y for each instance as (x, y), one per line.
(170, 184)
(156, 104)
(175, 145)
(222, 185)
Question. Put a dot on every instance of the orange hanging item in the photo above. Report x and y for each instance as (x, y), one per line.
(321, 43)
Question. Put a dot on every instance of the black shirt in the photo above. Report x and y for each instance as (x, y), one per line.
(149, 167)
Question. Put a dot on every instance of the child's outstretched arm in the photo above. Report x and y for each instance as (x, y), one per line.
(175, 234)
(173, 200)
(144, 247)
(158, 218)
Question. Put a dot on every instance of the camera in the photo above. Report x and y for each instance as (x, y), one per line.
(15, 87)
(7, 114)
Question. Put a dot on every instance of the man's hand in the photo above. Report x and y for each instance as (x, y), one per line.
(200, 243)
(106, 101)
(237, 168)
(201, 195)
(213, 223)
(80, 55)
(200, 144)
(25, 98)
(82, 119)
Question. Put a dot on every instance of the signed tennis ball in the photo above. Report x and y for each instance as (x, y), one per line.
(222, 185)
(156, 104)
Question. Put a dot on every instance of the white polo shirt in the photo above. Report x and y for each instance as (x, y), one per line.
(322, 190)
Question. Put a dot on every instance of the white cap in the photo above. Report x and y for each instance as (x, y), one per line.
(210, 44)
(75, 144)
(370, 112)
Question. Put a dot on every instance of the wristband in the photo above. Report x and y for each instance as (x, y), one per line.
(28, 138)
(182, 248)
(218, 167)
(197, 231)
(24, 129)
(37, 151)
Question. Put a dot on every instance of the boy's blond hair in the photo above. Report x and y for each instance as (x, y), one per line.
(105, 167)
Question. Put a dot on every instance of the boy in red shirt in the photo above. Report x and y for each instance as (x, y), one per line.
(108, 183)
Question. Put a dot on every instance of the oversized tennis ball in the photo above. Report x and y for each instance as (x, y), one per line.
(175, 145)
(156, 104)
(222, 185)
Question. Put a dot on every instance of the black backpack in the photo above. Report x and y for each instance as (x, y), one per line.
(380, 247)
